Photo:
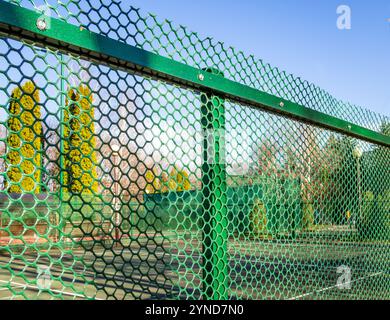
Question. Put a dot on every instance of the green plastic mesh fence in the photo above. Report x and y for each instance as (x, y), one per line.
(115, 185)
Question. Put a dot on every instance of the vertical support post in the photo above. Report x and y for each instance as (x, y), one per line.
(60, 225)
(359, 188)
(215, 220)
(116, 179)
(357, 154)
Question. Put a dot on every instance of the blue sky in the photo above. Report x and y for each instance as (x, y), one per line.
(301, 37)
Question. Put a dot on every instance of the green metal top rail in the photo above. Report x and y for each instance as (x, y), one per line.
(21, 23)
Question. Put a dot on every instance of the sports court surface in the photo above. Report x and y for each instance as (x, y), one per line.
(149, 269)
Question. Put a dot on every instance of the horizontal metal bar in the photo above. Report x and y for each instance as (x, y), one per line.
(21, 23)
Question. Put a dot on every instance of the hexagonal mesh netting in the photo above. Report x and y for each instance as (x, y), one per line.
(116, 185)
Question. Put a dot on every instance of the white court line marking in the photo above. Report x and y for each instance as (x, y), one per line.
(14, 286)
(52, 290)
(258, 259)
(335, 286)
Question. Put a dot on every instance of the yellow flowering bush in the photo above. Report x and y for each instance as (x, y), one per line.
(24, 134)
(178, 180)
(153, 183)
(79, 144)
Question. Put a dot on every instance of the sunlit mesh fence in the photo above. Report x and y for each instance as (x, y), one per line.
(120, 186)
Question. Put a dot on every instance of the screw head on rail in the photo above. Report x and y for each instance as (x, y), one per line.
(201, 77)
(281, 104)
(41, 24)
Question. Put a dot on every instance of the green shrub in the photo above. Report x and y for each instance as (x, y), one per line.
(367, 211)
(25, 130)
(374, 223)
(384, 209)
(258, 218)
(308, 216)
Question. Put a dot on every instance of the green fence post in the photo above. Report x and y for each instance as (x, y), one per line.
(215, 220)
(61, 225)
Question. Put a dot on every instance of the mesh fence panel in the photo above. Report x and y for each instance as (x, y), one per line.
(119, 186)
(120, 21)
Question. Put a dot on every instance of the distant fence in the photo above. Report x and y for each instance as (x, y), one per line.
(281, 215)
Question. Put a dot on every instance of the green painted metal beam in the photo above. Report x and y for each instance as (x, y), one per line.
(21, 23)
